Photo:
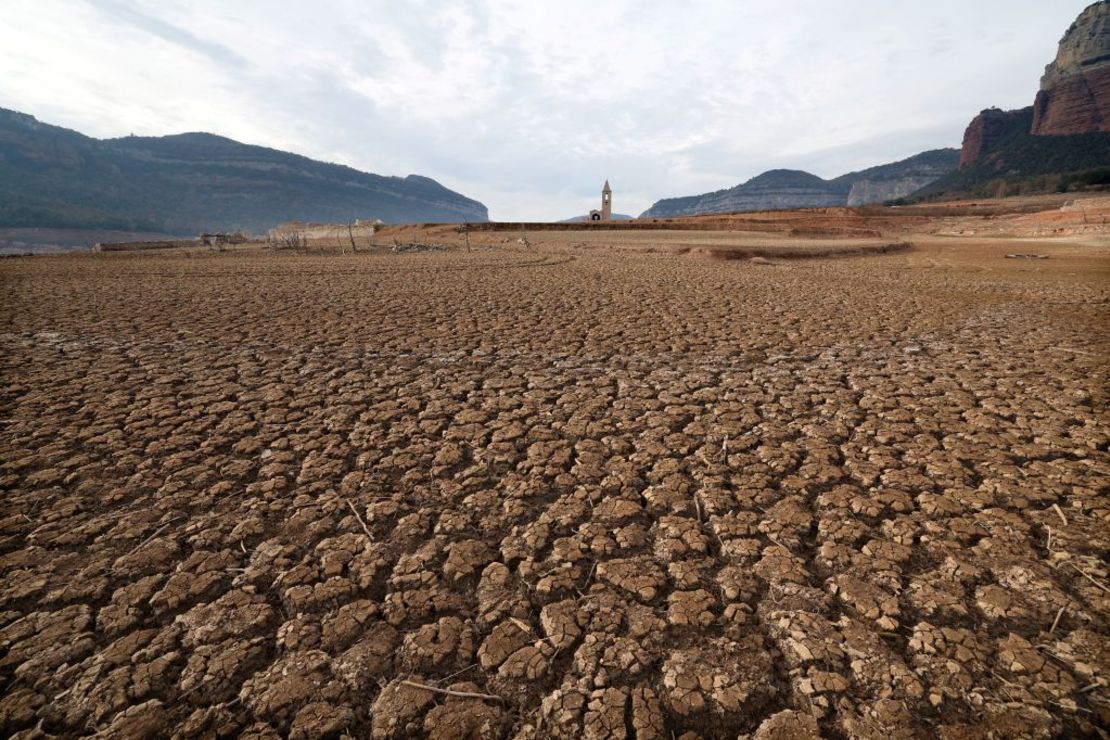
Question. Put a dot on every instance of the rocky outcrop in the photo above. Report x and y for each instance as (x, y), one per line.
(880, 191)
(1075, 91)
(898, 180)
(1002, 157)
(985, 132)
(1062, 140)
(1077, 105)
(1074, 99)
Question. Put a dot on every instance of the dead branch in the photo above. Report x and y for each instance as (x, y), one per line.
(784, 547)
(1056, 622)
(1088, 577)
(151, 537)
(450, 692)
(359, 517)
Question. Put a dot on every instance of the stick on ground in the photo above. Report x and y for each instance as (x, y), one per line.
(157, 532)
(784, 547)
(1089, 578)
(359, 517)
(1056, 622)
(449, 692)
(1064, 519)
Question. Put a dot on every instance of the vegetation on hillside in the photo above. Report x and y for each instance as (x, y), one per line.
(50, 176)
(785, 189)
(1018, 162)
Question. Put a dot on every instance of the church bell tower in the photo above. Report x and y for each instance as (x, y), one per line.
(606, 202)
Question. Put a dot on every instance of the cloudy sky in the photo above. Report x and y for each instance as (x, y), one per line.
(529, 105)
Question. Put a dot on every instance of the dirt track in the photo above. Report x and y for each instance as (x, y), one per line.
(278, 495)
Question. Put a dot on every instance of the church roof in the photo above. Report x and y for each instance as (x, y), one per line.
(606, 189)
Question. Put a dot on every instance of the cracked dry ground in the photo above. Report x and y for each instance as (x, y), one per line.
(276, 496)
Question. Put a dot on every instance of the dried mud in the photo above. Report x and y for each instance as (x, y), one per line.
(576, 495)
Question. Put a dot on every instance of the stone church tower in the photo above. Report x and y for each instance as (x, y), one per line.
(606, 202)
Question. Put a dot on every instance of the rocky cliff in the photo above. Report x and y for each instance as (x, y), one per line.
(786, 189)
(1002, 157)
(1065, 134)
(897, 180)
(1075, 91)
(986, 130)
(872, 191)
(183, 184)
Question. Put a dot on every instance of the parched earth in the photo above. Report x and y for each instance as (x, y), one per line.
(650, 496)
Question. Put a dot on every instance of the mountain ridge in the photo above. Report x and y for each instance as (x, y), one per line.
(1002, 156)
(1061, 142)
(782, 189)
(189, 182)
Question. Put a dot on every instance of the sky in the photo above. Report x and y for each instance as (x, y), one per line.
(530, 105)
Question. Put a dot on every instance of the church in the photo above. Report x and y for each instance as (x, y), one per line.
(606, 212)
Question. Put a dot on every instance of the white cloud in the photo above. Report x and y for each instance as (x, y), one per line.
(529, 106)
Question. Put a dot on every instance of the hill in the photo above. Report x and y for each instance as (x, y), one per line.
(1003, 157)
(786, 189)
(1061, 142)
(898, 179)
(183, 184)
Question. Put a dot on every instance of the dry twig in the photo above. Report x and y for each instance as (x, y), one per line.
(359, 517)
(450, 692)
(1088, 577)
(464, 670)
(589, 578)
(1056, 622)
(151, 537)
(1064, 519)
(784, 547)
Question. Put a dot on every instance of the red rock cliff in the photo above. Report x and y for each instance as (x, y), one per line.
(985, 131)
(1075, 89)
